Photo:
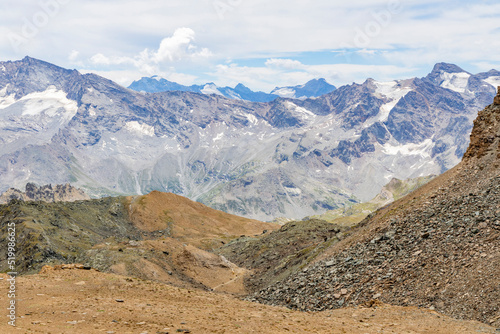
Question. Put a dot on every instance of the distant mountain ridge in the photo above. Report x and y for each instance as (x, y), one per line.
(157, 84)
(313, 88)
(285, 158)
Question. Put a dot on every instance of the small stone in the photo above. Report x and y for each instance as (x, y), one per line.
(343, 292)
(141, 323)
(378, 295)
(119, 300)
(329, 264)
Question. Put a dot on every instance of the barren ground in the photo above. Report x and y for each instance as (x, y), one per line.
(87, 301)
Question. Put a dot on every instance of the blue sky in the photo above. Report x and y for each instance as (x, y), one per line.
(261, 44)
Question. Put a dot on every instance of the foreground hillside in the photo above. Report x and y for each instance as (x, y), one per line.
(160, 236)
(86, 301)
(438, 247)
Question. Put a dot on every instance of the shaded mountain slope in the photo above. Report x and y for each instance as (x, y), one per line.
(438, 247)
(283, 252)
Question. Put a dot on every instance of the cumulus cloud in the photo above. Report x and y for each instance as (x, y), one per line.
(179, 46)
(176, 48)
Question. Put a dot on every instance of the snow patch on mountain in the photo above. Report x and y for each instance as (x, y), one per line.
(211, 89)
(6, 100)
(392, 91)
(423, 149)
(285, 92)
(218, 137)
(300, 112)
(49, 103)
(252, 119)
(494, 81)
(455, 81)
(140, 129)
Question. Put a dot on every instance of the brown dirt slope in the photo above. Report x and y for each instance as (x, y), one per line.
(191, 222)
(438, 247)
(86, 301)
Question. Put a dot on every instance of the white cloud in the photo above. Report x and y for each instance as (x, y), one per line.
(73, 56)
(416, 36)
(179, 47)
(289, 64)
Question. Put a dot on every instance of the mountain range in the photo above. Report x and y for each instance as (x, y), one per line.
(313, 88)
(287, 157)
(430, 255)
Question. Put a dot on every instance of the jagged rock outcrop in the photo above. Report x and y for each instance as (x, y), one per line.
(46, 193)
(496, 101)
(438, 247)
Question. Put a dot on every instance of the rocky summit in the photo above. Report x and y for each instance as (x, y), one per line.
(437, 248)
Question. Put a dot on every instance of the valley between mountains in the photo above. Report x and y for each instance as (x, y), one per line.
(426, 261)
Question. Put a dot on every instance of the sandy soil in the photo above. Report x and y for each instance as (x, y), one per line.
(86, 301)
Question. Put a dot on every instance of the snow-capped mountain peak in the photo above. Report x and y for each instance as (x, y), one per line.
(313, 88)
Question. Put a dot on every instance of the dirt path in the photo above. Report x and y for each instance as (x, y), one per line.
(81, 301)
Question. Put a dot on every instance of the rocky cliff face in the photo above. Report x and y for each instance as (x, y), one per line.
(288, 157)
(437, 248)
(47, 193)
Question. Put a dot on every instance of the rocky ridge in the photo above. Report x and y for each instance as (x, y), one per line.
(438, 247)
(46, 193)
